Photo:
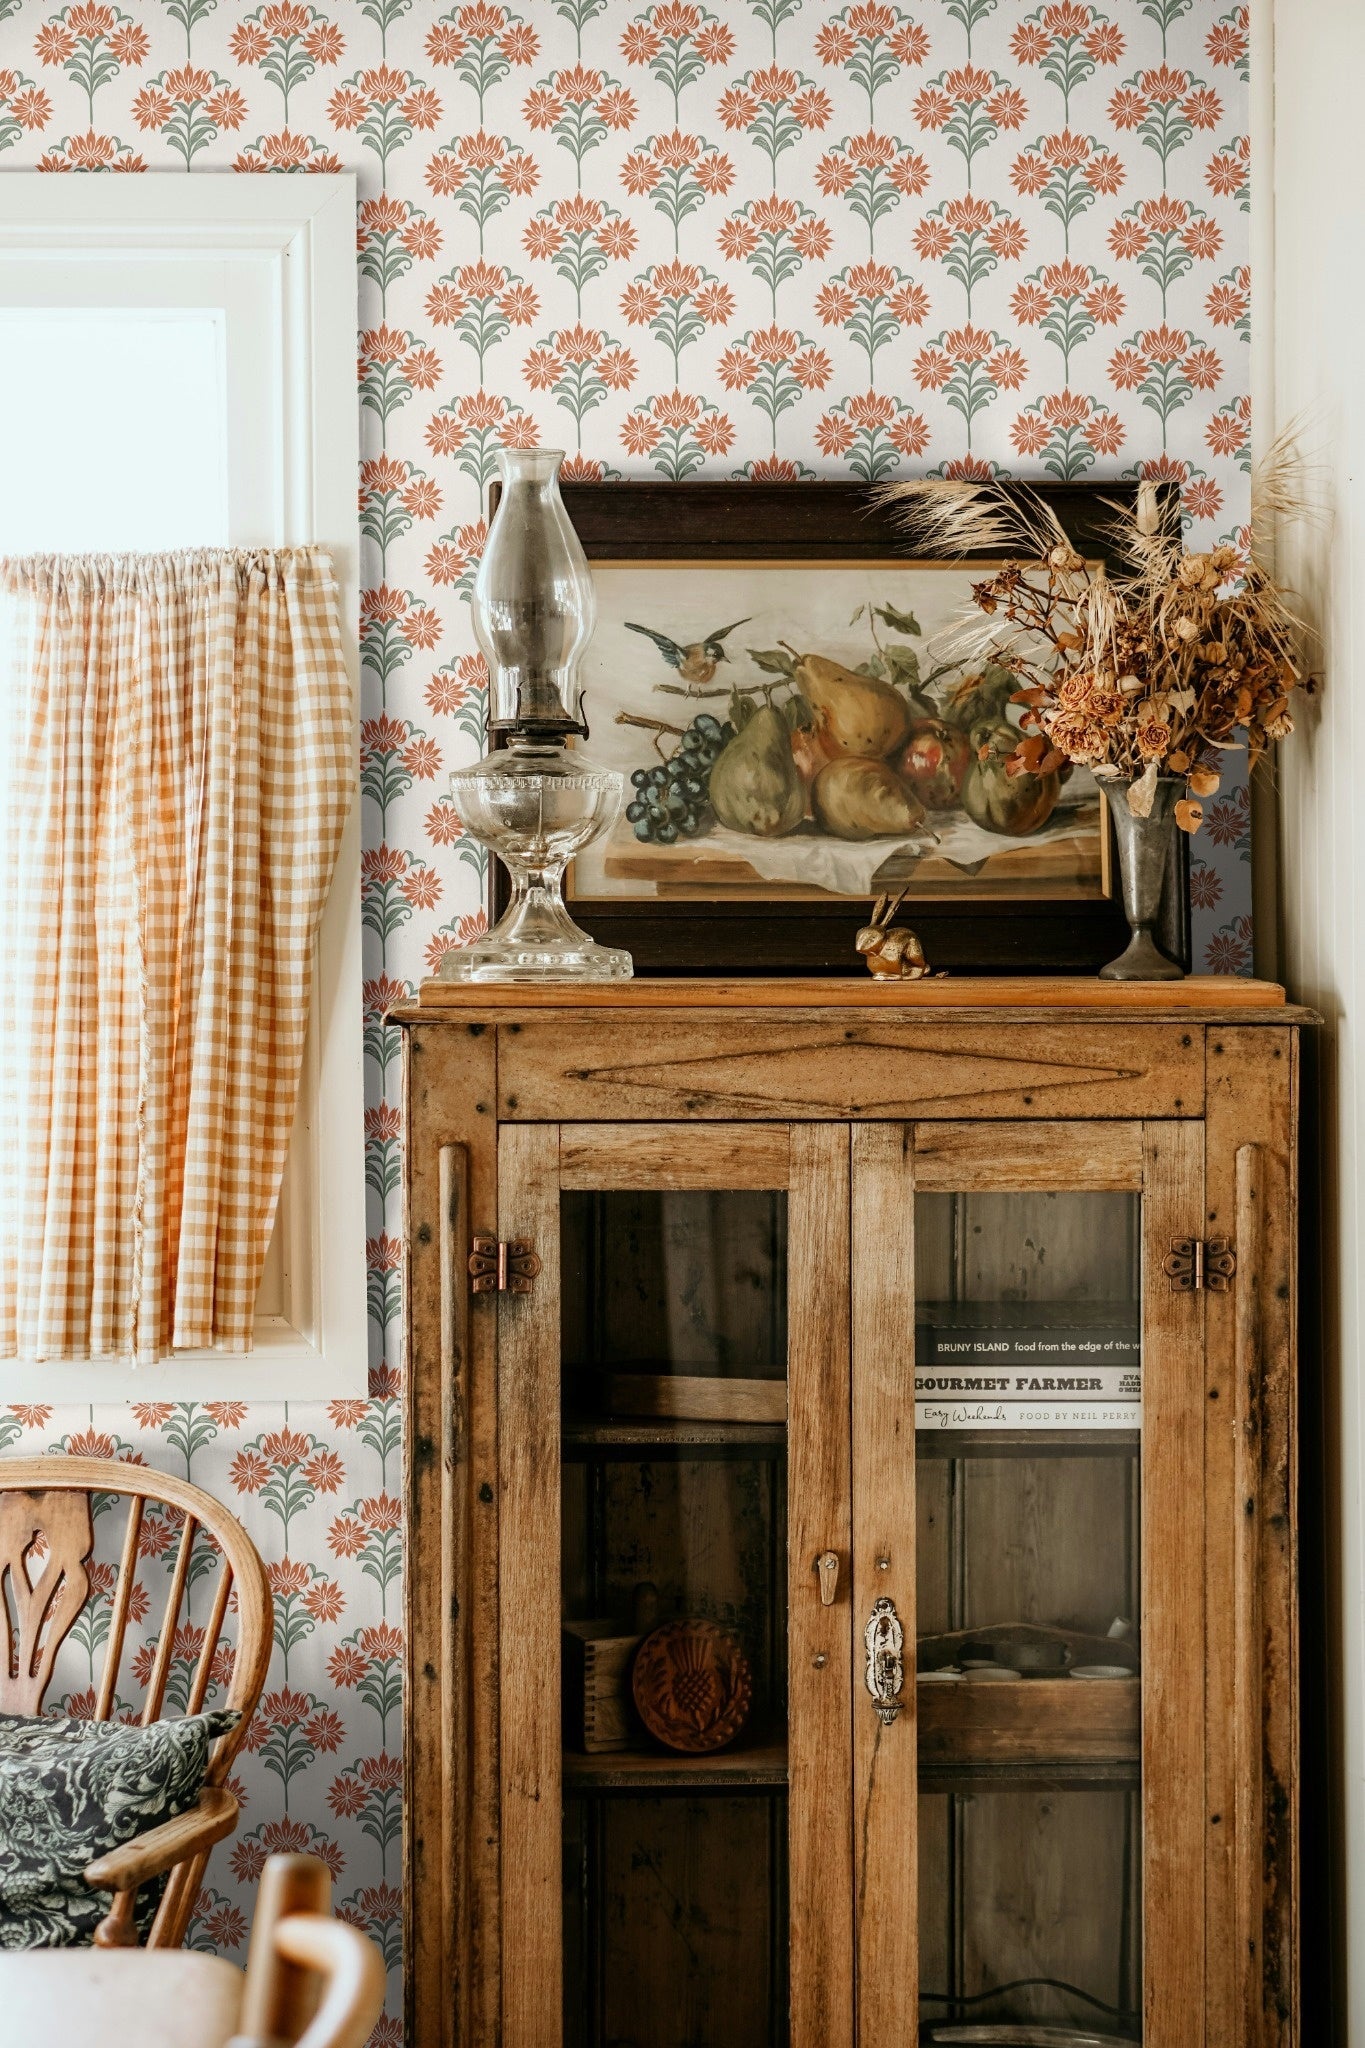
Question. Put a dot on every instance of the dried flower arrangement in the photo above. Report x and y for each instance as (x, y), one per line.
(1156, 672)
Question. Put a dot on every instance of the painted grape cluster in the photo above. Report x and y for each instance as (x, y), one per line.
(759, 238)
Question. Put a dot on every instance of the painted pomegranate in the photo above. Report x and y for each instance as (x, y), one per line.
(999, 801)
(934, 762)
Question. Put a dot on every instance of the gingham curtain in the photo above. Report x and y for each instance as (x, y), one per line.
(175, 772)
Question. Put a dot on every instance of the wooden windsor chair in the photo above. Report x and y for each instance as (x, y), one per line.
(310, 1982)
(46, 1519)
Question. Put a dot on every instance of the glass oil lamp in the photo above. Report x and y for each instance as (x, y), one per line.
(535, 800)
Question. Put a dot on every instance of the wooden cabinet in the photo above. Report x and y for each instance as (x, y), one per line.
(921, 1362)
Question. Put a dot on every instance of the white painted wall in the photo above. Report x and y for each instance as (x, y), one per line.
(1310, 346)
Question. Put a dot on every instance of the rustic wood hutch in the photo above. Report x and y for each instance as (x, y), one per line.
(702, 1281)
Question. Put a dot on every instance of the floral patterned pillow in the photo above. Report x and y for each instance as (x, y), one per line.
(71, 1791)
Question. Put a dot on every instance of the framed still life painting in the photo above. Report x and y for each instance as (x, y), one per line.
(773, 674)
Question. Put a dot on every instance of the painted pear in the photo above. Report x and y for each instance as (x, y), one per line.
(855, 798)
(755, 786)
(861, 714)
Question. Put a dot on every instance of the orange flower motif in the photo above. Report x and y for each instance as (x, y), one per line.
(248, 1471)
(1203, 239)
(378, 995)
(1164, 344)
(382, 606)
(346, 1537)
(249, 43)
(91, 152)
(1105, 43)
(1066, 280)
(969, 344)
(384, 84)
(737, 238)
(288, 1576)
(152, 108)
(92, 1443)
(1163, 83)
(325, 43)
(870, 151)
(1105, 304)
(31, 108)
(1066, 409)
(909, 174)
(54, 44)
(737, 369)
(969, 83)
(1030, 43)
(381, 1513)
(1066, 18)
(833, 434)
(151, 1414)
(286, 18)
(1164, 215)
(835, 303)
(1104, 433)
(1127, 238)
(871, 410)
(774, 216)
(286, 1447)
(90, 23)
(382, 1642)
(1204, 368)
(674, 409)
(1127, 369)
(737, 108)
(639, 434)
(346, 1667)
(326, 1602)
(1030, 434)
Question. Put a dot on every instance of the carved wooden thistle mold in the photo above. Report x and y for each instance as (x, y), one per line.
(692, 1686)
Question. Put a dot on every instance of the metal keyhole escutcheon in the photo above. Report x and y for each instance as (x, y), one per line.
(884, 1641)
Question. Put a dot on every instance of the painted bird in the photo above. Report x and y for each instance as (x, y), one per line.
(697, 663)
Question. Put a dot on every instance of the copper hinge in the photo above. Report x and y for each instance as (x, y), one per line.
(1193, 1263)
(502, 1266)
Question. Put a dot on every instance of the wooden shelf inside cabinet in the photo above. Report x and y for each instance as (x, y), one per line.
(1034, 1722)
(585, 1435)
(1029, 1777)
(753, 1766)
(1027, 1443)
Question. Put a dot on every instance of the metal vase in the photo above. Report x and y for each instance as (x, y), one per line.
(1144, 852)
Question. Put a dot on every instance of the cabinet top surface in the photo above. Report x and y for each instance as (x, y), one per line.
(1210, 998)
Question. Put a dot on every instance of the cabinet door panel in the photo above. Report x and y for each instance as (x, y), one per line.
(673, 1424)
(1050, 1481)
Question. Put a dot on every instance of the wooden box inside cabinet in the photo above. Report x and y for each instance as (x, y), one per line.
(898, 1383)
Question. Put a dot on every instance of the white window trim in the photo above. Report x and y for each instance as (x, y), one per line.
(321, 1348)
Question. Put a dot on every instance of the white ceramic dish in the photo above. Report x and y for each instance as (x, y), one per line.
(1102, 1671)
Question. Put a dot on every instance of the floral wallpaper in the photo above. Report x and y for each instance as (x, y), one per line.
(763, 238)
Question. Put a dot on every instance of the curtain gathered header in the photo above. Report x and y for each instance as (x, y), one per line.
(176, 767)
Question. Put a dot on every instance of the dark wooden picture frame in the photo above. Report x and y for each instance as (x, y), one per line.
(715, 523)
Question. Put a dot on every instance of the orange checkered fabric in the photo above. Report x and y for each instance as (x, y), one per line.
(176, 766)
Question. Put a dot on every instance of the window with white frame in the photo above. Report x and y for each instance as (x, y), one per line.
(177, 369)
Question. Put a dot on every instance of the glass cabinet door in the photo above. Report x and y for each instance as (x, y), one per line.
(1054, 1625)
(674, 1536)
